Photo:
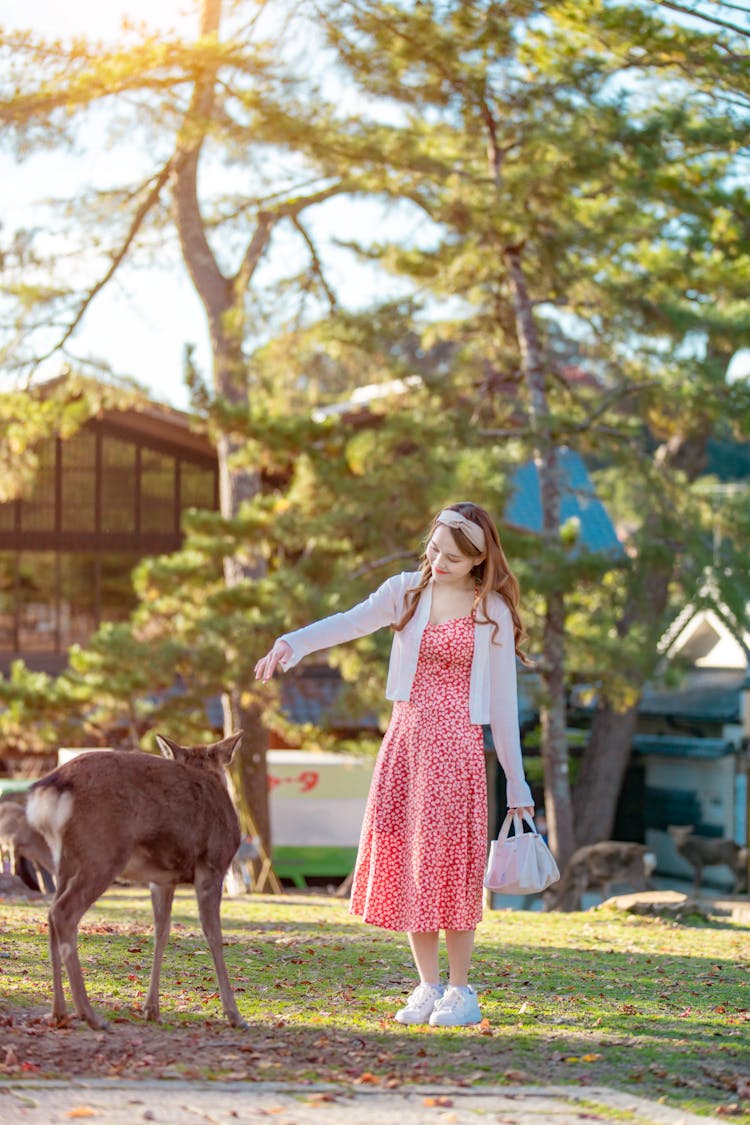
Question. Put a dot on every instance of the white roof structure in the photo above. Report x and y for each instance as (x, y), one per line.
(708, 635)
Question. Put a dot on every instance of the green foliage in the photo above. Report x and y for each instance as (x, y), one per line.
(31, 418)
(602, 140)
(641, 1005)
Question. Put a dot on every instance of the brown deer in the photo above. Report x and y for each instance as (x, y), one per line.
(597, 867)
(161, 821)
(704, 851)
(26, 848)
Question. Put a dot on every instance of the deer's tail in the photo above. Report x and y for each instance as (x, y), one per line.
(48, 810)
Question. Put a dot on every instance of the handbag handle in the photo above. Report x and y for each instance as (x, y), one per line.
(516, 819)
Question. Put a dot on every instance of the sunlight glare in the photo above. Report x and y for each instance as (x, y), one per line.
(96, 19)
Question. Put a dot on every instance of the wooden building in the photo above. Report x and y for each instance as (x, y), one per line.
(102, 500)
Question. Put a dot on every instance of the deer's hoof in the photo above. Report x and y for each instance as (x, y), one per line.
(97, 1023)
(152, 1015)
(59, 1019)
(236, 1020)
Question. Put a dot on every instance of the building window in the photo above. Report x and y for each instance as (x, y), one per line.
(197, 486)
(8, 516)
(158, 506)
(118, 598)
(37, 601)
(38, 508)
(118, 485)
(8, 639)
(78, 597)
(79, 482)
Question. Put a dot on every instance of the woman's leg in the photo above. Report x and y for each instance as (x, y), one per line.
(424, 949)
(460, 944)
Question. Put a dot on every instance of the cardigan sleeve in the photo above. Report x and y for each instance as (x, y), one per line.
(383, 607)
(504, 710)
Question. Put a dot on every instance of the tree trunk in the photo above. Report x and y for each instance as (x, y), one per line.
(602, 771)
(223, 300)
(252, 772)
(558, 802)
(234, 488)
(557, 795)
(607, 752)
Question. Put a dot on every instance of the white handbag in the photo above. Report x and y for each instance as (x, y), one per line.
(521, 864)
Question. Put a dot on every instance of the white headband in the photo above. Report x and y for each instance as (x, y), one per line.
(472, 531)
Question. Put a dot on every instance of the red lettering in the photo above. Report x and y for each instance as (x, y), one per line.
(308, 780)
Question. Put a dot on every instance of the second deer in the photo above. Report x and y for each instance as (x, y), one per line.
(147, 819)
(28, 854)
(598, 867)
(704, 851)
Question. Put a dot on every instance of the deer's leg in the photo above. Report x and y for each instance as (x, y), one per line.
(59, 1007)
(208, 886)
(24, 869)
(77, 891)
(161, 903)
(698, 877)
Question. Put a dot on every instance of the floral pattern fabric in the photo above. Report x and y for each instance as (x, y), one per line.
(423, 844)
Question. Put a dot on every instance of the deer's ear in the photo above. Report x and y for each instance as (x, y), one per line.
(225, 749)
(166, 746)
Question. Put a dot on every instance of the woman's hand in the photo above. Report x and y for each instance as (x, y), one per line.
(527, 810)
(267, 664)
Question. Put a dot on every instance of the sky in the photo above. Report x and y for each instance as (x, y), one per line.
(130, 321)
(142, 322)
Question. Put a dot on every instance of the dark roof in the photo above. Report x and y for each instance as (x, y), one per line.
(682, 746)
(313, 695)
(705, 694)
(579, 500)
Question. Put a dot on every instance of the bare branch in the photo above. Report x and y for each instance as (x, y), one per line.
(317, 265)
(684, 10)
(256, 247)
(377, 563)
(209, 281)
(117, 259)
(289, 209)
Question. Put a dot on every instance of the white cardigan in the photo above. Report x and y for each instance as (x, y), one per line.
(492, 693)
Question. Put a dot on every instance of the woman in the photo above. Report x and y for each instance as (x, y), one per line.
(452, 669)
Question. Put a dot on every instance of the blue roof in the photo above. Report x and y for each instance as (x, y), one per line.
(682, 746)
(578, 500)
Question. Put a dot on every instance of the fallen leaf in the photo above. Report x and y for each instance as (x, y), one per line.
(81, 1111)
(518, 1076)
(438, 1099)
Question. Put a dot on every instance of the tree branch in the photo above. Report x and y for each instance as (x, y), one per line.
(377, 563)
(137, 222)
(684, 10)
(266, 222)
(267, 219)
(317, 265)
(209, 281)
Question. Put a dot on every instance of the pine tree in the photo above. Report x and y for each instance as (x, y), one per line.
(557, 188)
(225, 92)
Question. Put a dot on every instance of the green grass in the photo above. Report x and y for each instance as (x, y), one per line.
(659, 1008)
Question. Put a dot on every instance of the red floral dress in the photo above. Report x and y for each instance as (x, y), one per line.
(423, 845)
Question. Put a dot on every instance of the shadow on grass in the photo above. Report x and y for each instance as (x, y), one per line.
(656, 1008)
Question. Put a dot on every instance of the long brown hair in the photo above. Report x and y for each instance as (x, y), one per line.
(490, 574)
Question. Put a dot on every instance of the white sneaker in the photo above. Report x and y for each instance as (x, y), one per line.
(420, 1004)
(458, 1007)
